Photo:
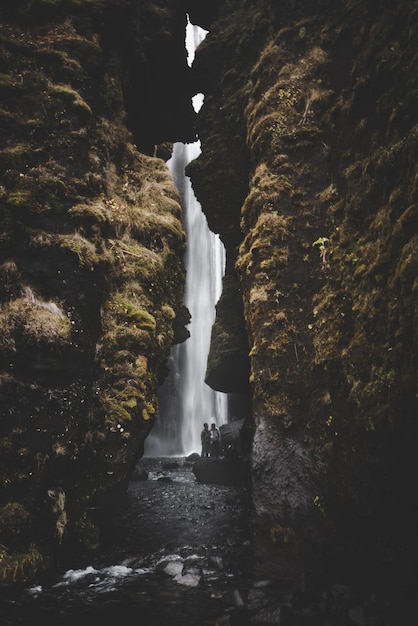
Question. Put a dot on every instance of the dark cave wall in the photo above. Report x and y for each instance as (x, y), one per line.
(308, 172)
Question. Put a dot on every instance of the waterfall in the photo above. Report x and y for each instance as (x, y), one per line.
(185, 401)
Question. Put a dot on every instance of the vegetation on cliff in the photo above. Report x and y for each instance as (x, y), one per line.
(318, 195)
(308, 173)
(91, 267)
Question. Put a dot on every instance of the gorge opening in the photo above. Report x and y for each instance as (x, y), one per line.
(185, 400)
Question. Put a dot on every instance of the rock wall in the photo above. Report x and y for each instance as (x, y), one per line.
(91, 273)
(308, 172)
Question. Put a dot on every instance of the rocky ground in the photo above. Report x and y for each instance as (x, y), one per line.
(177, 552)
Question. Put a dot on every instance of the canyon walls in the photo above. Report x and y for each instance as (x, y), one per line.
(307, 172)
(92, 239)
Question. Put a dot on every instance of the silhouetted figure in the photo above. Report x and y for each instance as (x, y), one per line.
(205, 439)
(215, 440)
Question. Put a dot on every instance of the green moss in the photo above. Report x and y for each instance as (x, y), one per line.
(20, 559)
(16, 156)
(168, 312)
(18, 199)
(81, 247)
(70, 95)
(407, 267)
(115, 412)
(122, 399)
(360, 269)
(266, 245)
(165, 227)
(141, 318)
(96, 210)
(139, 262)
(28, 322)
(9, 82)
(131, 403)
(129, 338)
(6, 117)
(329, 194)
(148, 411)
(61, 60)
(127, 314)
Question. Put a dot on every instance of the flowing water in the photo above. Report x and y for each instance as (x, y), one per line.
(185, 401)
(174, 552)
(177, 552)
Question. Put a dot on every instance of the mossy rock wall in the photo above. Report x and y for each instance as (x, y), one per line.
(308, 172)
(91, 273)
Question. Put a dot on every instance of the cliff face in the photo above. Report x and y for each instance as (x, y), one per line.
(91, 270)
(308, 172)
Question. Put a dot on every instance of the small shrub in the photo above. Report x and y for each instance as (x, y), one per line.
(18, 199)
(21, 567)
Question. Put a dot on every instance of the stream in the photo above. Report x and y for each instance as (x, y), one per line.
(174, 553)
(177, 552)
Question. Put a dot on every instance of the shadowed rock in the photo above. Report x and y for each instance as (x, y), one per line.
(218, 471)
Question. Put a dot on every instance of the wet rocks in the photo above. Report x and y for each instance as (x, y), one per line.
(189, 580)
(172, 568)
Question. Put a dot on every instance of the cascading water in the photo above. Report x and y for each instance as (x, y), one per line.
(185, 401)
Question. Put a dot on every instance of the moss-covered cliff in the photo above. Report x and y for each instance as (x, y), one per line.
(91, 270)
(308, 171)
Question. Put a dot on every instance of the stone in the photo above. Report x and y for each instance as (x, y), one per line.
(192, 458)
(189, 580)
(217, 471)
(139, 473)
(174, 568)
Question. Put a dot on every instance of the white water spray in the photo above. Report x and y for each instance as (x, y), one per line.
(185, 401)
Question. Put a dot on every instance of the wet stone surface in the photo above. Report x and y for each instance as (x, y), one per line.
(176, 553)
(172, 509)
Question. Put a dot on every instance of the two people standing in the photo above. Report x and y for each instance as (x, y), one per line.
(211, 440)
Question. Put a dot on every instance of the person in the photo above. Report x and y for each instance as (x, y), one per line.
(205, 439)
(215, 440)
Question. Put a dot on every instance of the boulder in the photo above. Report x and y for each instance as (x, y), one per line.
(231, 438)
(195, 456)
(139, 473)
(218, 471)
